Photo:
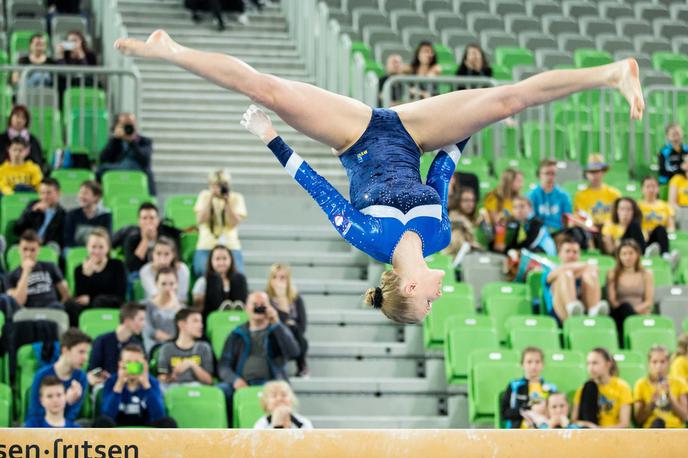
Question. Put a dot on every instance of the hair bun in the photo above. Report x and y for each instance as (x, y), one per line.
(377, 298)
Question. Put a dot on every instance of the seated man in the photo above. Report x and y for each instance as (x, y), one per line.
(132, 397)
(186, 359)
(36, 284)
(53, 399)
(45, 216)
(138, 242)
(89, 214)
(19, 173)
(550, 202)
(574, 286)
(106, 347)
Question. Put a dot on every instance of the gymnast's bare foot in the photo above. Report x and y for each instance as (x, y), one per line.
(158, 45)
(627, 80)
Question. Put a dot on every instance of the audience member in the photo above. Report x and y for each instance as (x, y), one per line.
(278, 402)
(597, 198)
(90, 214)
(573, 287)
(557, 413)
(132, 396)
(214, 6)
(53, 400)
(36, 284)
(221, 285)
(473, 63)
(550, 202)
(679, 363)
(678, 186)
(75, 51)
(17, 173)
(107, 347)
(285, 298)
(165, 255)
(218, 213)
(161, 309)
(394, 66)
(127, 149)
(605, 400)
(187, 359)
(660, 400)
(466, 219)
(498, 202)
(528, 393)
(658, 216)
(523, 230)
(139, 241)
(99, 281)
(74, 348)
(18, 124)
(45, 216)
(424, 63)
(623, 224)
(38, 46)
(672, 153)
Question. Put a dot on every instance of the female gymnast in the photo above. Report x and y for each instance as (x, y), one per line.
(392, 216)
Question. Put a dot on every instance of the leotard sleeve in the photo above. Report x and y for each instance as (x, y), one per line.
(442, 169)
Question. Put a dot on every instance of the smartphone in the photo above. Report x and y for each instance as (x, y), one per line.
(68, 46)
(97, 371)
(134, 368)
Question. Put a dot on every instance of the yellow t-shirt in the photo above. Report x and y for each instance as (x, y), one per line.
(679, 368)
(615, 394)
(655, 214)
(681, 184)
(536, 392)
(27, 173)
(644, 390)
(615, 231)
(221, 234)
(491, 204)
(596, 202)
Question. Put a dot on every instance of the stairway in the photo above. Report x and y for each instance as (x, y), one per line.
(366, 372)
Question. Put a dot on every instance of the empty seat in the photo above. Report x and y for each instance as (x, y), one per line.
(458, 40)
(446, 307)
(11, 207)
(669, 28)
(564, 369)
(509, 57)
(26, 8)
(674, 306)
(362, 18)
(413, 36)
(590, 58)
(478, 22)
(125, 183)
(517, 23)
(220, 324)
(501, 301)
(615, 10)
(650, 11)
(583, 333)
(556, 24)
(593, 26)
(538, 8)
(613, 43)
(401, 20)
(5, 406)
(34, 25)
(679, 11)
(95, 322)
(578, 8)
(62, 24)
(572, 41)
(550, 58)
(490, 371)
(351, 5)
(445, 20)
(537, 41)
(643, 331)
(373, 35)
(196, 406)
(630, 27)
(478, 269)
(468, 6)
(431, 6)
(504, 7)
(534, 337)
(650, 44)
(493, 39)
(463, 335)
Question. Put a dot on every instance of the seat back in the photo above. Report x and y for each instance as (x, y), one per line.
(247, 408)
(463, 335)
(95, 322)
(180, 210)
(196, 406)
(220, 324)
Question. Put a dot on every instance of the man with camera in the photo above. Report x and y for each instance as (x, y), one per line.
(127, 150)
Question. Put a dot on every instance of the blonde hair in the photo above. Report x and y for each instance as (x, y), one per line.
(505, 189)
(274, 386)
(102, 233)
(292, 293)
(682, 345)
(394, 304)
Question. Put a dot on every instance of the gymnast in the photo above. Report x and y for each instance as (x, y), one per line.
(393, 216)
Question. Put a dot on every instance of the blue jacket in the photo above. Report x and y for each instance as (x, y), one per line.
(670, 162)
(551, 207)
(136, 408)
(36, 411)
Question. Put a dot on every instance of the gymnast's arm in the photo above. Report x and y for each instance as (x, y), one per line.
(442, 169)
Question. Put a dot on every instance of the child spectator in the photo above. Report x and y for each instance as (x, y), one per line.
(165, 255)
(424, 63)
(18, 125)
(523, 230)
(107, 347)
(679, 363)
(53, 400)
(661, 401)
(161, 309)
(557, 413)
(528, 393)
(45, 216)
(139, 241)
(678, 186)
(550, 202)
(672, 154)
(17, 173)
(658, 216)
(605, 400)
(498, 202)
(596, 200)
(278, 402)
(188, 359)
(80, 221)
(36, 284)
(221, 285)
(289, 305)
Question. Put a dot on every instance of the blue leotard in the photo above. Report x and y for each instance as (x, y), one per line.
(387, 195)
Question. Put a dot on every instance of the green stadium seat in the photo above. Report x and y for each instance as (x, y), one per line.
(246, 406)
(5, 406)
(636, 325)
(644, 339)
(360, 47)
(544, 338)
(124, 215)
(583, 333)
(519, 163)
(501, 72)
(463, 335)
(87, 131)
(631, 364)
(196, 406)
(70, 179)
(75, 256)
(5, 104)
(460, 302)
(534, 132)
(442, 262)
(97, 321)
(125, 183)
(46, 125)
(90, 98)
(374, 66)
(534, 288)
(531, 322)
(180, 210)
(188, 243)
(220, 324)
(685, 325)
(131, 200)
(502, 301)
(509, 57)
(565, 369)
(490, 371)
(19, 43)
(486, 185)
(669, 62)
(474, 164)
(138, 293)
(591, 58)
(425, 163)
(603, 262)
(11, 208)
(46, 254)
(661, 270)
(569, 114)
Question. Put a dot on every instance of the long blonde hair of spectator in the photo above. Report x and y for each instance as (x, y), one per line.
(292, 292)
(274, 386)
(505, 188)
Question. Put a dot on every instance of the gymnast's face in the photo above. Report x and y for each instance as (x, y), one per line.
(425, 290)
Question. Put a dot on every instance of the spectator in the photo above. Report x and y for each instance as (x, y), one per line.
(466, 219)
(53, 400)
(99, 281)
(498, 201)
(74, 348)
(623, 224)
(679, 363)
(523, 230)
(278, 402)
(395, 66)
(38, 46)
(36, 284)
(424, 63)
(528, 393)
(285, 298)
(188, 359)
(474, 63)
(658, 216)
(45, 216)
(550, 202)
(557, 413)
(257, 351)
(161, 309)
(74, 51)
(107, 347)
(672, 154)
(165, 255)
(660, 400)
(17, 173)
(596, 200)
(127, 150)
(80, 221)
(574, 286)
(218, 213)
(678, 186)
(221, 285)
(18, 124)
(215, 7)
(139, 241)
(132, 396)
(605, 400)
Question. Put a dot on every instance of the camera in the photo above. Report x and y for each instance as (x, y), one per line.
(134, 368)
(129, 129)
(68, 46)
(224, 189)
(260, 309)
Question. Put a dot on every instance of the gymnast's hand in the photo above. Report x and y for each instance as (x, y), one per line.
(258, 123)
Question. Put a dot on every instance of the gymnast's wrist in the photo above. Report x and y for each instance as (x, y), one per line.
(268, 136)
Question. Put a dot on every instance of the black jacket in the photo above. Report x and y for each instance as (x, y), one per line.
(30, 219)
(131, 238)
(141, 151)
(215, 294)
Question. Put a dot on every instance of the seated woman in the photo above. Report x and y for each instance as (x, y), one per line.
(499, 203)
(221, 285)
(679, 363)
(165, 255)
(630, 287)
(660, 400)
(658, 218)
(161, 309)
(18, 124)
(289, 305)
(625, 224)
(278, 402)
(424, 63)
(528, 393)
(465, 219)
(99, 281)
(605, 400)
